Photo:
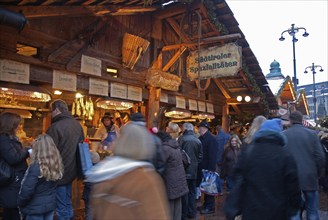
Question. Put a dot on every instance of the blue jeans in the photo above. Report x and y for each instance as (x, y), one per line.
(311, 206)
(46, 216)
(188, 200)
(64, 209)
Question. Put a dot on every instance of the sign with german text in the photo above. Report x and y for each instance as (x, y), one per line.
(134, 93)
(193, 105)
(12, 71)
(201, 106)
(180, 102)
(98, 87)
(215, 62)
(209, 107)
(118, 90)
(64, 80)
(164, 97)
(90, 65)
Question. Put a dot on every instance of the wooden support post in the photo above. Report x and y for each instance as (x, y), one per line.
(153, 106)
(225, 118)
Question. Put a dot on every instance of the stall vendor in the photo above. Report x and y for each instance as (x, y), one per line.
(107, 132)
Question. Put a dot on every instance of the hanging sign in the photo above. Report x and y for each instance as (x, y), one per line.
(118, 90)
(210, 107)
(215, 62)
(64, 80)
(180, 102)
(193, 105)
(164, 97)
(12, 71)
(134, 93)
(90, 65)
(201, 106)
(98, 87)
(164, 80)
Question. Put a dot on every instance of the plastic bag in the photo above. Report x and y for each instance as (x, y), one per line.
(211, 183)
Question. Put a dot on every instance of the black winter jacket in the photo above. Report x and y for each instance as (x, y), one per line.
(37, 195)
(267, 181)
(210, 151)
(66, 133)
(12, 152)
(193, 147)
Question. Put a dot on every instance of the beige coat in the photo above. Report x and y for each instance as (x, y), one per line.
(138, 194)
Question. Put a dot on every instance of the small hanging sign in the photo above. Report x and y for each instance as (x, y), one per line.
(164, 97)
(64, 80)
(118, 90)
(90, 65)
(180, 102)
(98, 87)
(134, 93)
(209, 107)
(12, 71)
(201, 106)
(193, 105)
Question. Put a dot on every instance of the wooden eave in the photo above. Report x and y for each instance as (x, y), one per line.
(287, 92)
(301, 103)
(232, 86)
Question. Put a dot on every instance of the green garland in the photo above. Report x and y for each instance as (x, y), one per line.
(257, 91)
(210, 6)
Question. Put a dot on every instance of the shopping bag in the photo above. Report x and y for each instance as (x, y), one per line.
(211, 183)
(84, 158)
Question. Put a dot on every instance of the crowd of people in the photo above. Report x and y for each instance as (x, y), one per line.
(269, 173)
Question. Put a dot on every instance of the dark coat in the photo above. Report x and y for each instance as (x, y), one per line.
(12, 152)
(210, 151)
(37, 195)
(267, 183)
(66, 133)
(304, 146)
(222, 139)
(174, 174)
(193, 147)
(229, 161)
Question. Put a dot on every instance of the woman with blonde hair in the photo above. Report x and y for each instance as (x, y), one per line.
(229, 160)
(37, 196)
(257, 121)
(173, 130)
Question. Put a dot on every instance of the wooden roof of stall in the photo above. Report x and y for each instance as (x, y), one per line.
(229, 87)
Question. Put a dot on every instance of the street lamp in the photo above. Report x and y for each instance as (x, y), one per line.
(292, 31)
(312, 68)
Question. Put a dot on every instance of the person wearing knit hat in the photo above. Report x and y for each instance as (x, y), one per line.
(266, 178)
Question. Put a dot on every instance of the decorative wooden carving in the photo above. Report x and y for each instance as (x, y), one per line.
(160, 79)
(132, 49)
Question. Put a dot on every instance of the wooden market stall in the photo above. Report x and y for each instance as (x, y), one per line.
(155, 55)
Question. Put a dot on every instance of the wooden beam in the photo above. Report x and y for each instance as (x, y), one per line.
(77, 38)
(36, 12)
(237, 110)
(174, 58)
(203, 42)
(233, 101)
(97, 35)
(222, 88)
(176, 28)
(176, 10)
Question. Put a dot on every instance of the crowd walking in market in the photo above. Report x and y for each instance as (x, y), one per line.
(269, 173)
